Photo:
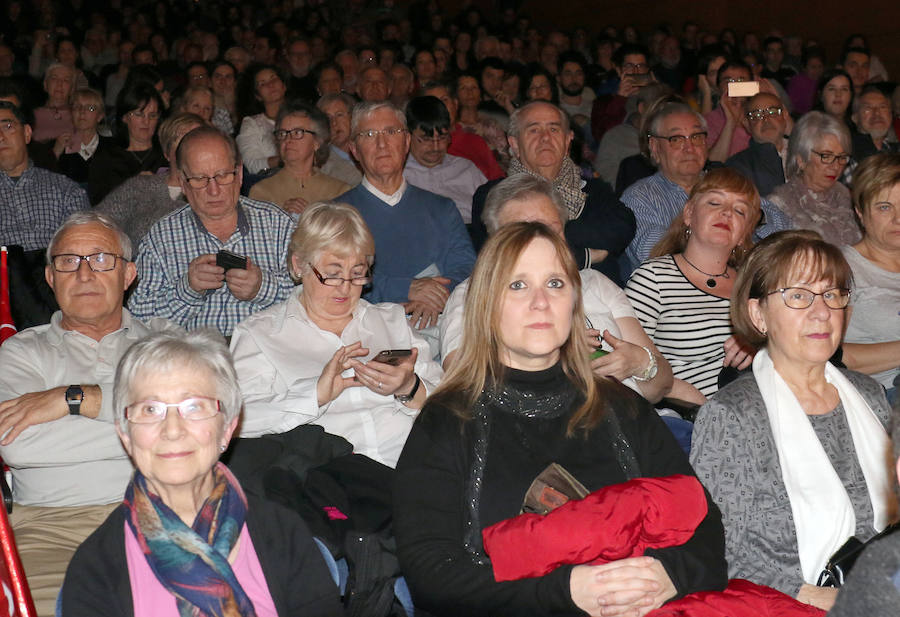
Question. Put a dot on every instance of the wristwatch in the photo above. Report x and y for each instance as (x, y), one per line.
(405, 398)
(651, 370)
(74, 398)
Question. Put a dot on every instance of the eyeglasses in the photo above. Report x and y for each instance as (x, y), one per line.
(800, 298)
(828, 158)
(755, 115)
(154, 412)
(734, 80)
(678, 141)
(140, 115)
(336, 281)
(372, 134)
(9, 125)
(98, 262)
(630, 67)
(222, 178)
(90, 108)
(282, 134)
(432, 139)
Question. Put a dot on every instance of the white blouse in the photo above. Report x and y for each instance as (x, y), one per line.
(279, 355)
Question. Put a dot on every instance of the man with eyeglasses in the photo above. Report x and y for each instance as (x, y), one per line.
(873, 131)
(56, 417)
(767, 121)
(429, 166)
(633, 68)
(33, 201)
(677, 142)
(422, 249)
(180, 276)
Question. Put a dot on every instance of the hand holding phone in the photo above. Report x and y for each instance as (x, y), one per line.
(392, 356)
(228, 260)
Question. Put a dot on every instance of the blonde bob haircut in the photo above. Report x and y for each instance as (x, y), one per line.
(875, 175)
(782, 259)
(721, 179)
(328, 226)
(480, 364)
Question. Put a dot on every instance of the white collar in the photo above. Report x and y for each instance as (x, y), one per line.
(391, 200)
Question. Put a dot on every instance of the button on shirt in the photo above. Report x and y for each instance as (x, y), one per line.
(74, 460)
(33, 206)
(263, 232)
(656, 201)
(279, 355)
(455, 177)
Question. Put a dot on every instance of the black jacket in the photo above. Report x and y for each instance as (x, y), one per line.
(761, 164)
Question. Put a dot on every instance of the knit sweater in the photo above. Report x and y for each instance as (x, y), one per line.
(136, 204)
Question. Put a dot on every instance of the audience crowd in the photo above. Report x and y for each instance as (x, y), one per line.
(334, 243)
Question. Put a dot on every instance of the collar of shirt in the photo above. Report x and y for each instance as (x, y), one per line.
(344, 155)
(243, 226)
(391, 200)
(57, 332)
(294, 309)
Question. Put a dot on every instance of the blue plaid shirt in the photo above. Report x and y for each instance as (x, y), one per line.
(33, 206)
(262, 234)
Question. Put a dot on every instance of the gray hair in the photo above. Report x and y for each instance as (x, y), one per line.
(329, 226)
(361, 111)
(518, 187)
(328, 99)
(174, 351)
(59, 65)
(514, 127)
(870, 89)
(670, 109)
(92, 217)
(809, 130)
(320, 123)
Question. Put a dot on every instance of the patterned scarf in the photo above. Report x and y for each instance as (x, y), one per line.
(567, 182)
(192, 562)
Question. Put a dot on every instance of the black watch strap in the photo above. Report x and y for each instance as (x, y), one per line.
(408, 397)
(74, 398)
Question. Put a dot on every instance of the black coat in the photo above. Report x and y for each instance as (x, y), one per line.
(761, 164)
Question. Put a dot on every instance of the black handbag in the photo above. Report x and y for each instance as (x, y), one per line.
(839, 564)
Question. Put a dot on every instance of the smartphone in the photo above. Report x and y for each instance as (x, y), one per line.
(228, 260)
(640, 79)
(392, 356)
(743, 88)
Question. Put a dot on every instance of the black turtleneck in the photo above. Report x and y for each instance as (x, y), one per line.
(527, 432)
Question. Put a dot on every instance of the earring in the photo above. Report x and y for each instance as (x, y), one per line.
(222, 447)
(687, 232)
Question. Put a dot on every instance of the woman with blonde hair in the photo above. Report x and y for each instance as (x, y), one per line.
(681, 294)
(521, 397)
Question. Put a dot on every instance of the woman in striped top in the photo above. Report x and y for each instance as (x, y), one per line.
(681, 295)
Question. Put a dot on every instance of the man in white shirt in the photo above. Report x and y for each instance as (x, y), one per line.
(68, 467)
(429, 166)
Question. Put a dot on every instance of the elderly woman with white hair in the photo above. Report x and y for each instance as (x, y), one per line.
(54, 117)
(325, 356)
(302, 133)
(186, 539)
(812, 198)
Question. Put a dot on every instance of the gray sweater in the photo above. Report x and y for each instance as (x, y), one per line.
(733, 452)
(136, 204)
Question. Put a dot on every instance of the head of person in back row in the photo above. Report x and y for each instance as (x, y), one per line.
(220, 258)
(422, 244)
(629, 355)
(766, 119)
(429, 166)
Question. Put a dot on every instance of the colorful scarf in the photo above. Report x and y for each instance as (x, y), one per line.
(192, 562)
(568, 182)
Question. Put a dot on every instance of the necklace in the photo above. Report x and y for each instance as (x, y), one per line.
(711, 281)
(142, 159)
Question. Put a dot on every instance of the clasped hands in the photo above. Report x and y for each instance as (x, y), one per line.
(629, 587)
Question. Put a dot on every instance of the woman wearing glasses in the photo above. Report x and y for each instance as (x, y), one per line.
(76, 150)
(302, 134)
(796, 453)
(138, 109)
(812, 198)
(187, 539)
(315, 357)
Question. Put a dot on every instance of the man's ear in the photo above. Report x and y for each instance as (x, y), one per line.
(130, 273)
(513, 145)
(48, 275)
(27, 129)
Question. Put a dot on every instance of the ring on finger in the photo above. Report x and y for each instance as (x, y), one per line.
(380, 385)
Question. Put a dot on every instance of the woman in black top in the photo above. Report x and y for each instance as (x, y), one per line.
(521, 397)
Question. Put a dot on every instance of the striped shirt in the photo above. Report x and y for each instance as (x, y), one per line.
(688, 325)
(34, 205)
(262, 234)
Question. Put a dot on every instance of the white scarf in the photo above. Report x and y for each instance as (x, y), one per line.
(823, 514)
